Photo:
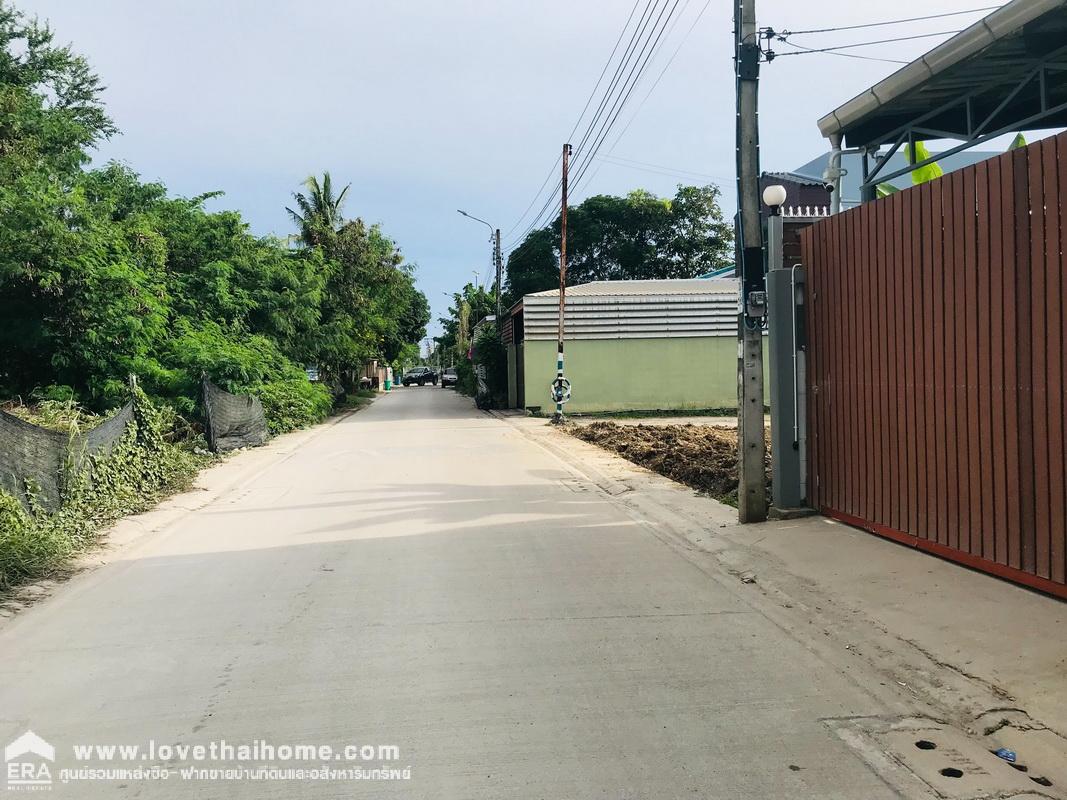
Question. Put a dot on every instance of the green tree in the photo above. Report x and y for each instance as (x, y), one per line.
(50, 114)
(533, 265)
(49, 98)
(639, 236)
(319, 216)
(103, 274)
(469, 307)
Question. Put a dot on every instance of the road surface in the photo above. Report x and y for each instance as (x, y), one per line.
(425, 576)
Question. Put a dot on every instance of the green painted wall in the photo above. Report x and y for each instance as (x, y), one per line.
(636, 374)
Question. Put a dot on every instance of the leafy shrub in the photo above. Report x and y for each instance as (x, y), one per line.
(490, 353)
(142, 467)
(466, 380)
(293, 403)
(56, 393)
(56, 415)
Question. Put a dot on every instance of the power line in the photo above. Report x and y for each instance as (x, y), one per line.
(892, 21)
(635, 39)
(659, 77)
(638, 28)
(666, 173)
(536, 196)
(643, 166)
(864, 44)
(639, 53)
(577, 122)
(620, 102)
(603, 72)
(638, 39)
(640, 31)
(588, 102)
(842, 55)
(630, 162)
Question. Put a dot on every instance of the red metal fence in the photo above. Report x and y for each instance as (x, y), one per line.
(937, 365)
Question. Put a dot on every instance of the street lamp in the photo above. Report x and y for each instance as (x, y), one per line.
(774, 196)
(494, 234)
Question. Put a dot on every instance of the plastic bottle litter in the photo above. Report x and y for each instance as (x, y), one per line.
(1006, 754)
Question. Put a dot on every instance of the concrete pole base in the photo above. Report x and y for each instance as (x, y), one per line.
(774, 512)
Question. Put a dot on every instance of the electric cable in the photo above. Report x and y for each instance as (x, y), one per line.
(676, 171)
(842, 55)
(659, 77)
(864, 44)
(646, 48)
(577, 122)
(588, 102)
(891, 22)
(620, 102)
(637, 35)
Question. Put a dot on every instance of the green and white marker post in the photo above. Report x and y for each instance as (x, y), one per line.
(561, 388)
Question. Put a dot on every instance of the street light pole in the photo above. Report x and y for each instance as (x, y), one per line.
(498, 261)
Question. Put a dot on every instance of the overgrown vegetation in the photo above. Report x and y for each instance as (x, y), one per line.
(489, 354)
(470, 306)
(142, 467)
(103, 275)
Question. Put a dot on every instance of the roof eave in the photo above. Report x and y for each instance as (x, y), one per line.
(964, 45)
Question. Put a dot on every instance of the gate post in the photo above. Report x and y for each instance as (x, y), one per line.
(787, 479)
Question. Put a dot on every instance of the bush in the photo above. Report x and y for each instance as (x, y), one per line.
(466, 381)
(293, 403)
(490, 353)
(142, 467)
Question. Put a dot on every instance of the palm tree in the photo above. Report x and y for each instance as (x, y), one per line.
(320, 212)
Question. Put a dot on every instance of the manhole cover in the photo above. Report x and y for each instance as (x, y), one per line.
(946, 759)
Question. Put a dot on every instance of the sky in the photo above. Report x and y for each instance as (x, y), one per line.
(429, 106)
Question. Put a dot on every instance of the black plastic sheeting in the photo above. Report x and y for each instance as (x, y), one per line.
(45, 459)
(233, 420)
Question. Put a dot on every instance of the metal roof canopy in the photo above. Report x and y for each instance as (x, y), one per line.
(1005, 73)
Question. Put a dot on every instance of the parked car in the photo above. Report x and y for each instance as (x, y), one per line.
(449, 377)
(420, 375)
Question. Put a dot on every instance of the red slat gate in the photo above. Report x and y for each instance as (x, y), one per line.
(937, 364)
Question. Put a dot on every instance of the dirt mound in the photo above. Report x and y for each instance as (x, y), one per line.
(700, 456)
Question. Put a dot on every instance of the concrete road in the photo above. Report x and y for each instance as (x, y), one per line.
(424, 576)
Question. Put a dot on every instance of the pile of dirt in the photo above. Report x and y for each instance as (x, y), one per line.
(701, 456)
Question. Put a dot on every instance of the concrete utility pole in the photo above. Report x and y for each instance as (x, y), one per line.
(561, 389)
(499, 271)
(752, 485)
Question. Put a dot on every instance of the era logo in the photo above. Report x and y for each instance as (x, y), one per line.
(26, 767)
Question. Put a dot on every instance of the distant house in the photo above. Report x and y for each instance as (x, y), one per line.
(801, 192)
(629, 346)
(852, 163)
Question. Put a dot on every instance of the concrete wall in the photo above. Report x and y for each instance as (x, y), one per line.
(636, 374)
